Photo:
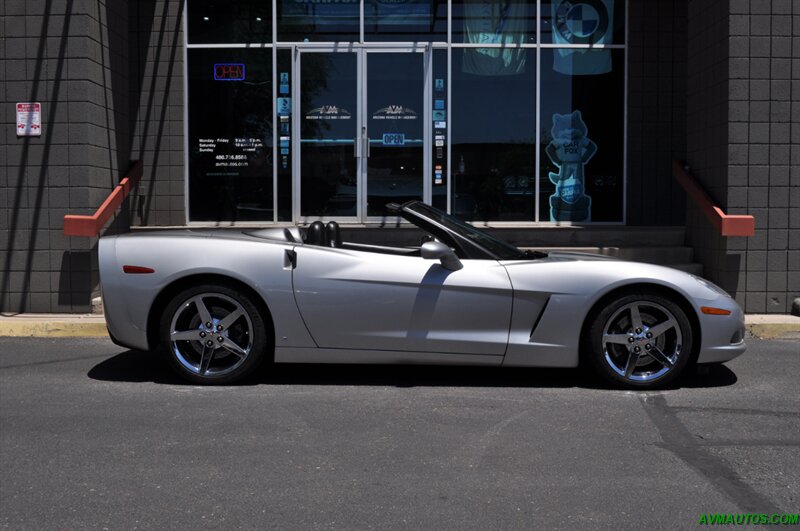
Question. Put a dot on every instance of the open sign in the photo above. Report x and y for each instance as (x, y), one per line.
(229, 72)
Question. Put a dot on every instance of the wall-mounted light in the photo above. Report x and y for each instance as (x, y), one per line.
(206, 19)
(258, 19)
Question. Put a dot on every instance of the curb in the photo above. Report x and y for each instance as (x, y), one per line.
(774, 330)
(772, 326)
(53, 326)
(43, 325)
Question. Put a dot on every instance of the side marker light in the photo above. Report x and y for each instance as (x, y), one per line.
(709, 310)
(137, 270)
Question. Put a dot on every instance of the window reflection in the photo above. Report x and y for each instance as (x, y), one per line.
(328, 129)
(508, 22)
(318, 20)
(492, 171)
(493, 143)
(229, 21)
(230, 135)
(410, 20)
(582, 138)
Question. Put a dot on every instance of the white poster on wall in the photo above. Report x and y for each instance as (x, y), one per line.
(29, 119)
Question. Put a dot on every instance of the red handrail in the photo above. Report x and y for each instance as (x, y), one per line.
(92, 225)
(726, 224)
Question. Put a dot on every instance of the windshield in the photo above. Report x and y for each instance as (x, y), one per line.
(499, 248)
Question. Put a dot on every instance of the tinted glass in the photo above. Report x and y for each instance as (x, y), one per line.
(230, 135)
(395, 126)
(229, 21)
(499, 248)
(405, 20)
(582, 137)
(583, 22)
(494, 22)
(284, 136)
(493, 139)
(328, 129)
(318, 20)
(440, 103)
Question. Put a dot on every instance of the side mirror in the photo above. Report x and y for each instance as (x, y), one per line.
(441, 252)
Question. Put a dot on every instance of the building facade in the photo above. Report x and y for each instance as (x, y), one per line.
(537, 113)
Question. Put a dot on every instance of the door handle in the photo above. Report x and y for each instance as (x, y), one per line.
(366, 145)
(356, 142)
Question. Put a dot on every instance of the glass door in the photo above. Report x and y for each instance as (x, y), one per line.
(360, 132)
(396, 129)
(327, 131)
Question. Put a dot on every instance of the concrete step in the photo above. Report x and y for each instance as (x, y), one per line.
(592, 236)
(674, 257)
(653, 245)
(651, 255)
(538, 236)
(693, 268)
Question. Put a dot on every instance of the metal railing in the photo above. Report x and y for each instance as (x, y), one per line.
(726, 224)
(75, 225)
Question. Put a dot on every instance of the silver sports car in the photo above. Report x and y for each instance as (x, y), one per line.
(219, 303)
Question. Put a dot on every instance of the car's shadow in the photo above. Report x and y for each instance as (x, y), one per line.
(137, 366)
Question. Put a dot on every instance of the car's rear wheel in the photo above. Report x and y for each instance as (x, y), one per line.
(640, 341)
(213, 334)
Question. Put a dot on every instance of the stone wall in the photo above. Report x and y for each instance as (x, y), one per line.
(743, 144)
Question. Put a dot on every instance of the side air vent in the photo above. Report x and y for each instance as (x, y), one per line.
(539, 317)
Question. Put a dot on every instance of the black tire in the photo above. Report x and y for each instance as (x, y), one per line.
(612, 341)
(232, 348)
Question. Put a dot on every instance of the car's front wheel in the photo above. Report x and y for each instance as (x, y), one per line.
(640, 341)
(213, 334)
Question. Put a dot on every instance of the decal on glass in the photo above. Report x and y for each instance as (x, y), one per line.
(394, 112)
(582, 22)
(284, 106)
(328, 112)
(570, 150)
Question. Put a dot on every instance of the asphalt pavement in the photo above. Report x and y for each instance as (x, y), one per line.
(96, 436)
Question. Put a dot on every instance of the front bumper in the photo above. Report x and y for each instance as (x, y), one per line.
(722, 335)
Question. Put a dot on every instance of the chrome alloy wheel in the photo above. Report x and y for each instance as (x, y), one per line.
(211, 334)
(642, 341)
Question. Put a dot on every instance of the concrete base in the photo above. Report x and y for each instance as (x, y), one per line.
(767, 326)
(771, 326)
(53, 325)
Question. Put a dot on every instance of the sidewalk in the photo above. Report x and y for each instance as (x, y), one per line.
(766, 326)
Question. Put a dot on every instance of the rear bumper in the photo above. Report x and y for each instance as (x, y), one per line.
(120, 343)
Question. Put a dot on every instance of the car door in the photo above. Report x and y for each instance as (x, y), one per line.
(352, 299)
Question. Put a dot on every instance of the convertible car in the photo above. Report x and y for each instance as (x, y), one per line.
(220, 302)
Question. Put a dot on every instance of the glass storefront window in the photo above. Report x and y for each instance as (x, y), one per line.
(230, 135)
(395, 124)
(504, 22)
(328, 134)
(284, 163)
(352, 116)
(319, 20)
(404, 21)
(493, 140)
(440, 106)
(583, 22)
(229, 21)
(582, 136)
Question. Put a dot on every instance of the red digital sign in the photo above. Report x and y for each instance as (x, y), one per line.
(229, 72)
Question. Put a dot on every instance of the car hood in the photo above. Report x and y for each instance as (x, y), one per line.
(562, 256)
